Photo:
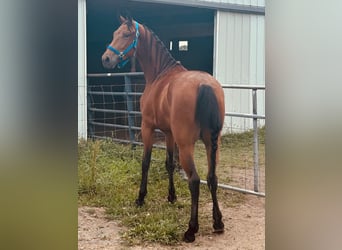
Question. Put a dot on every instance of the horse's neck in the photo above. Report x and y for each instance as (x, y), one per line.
(153, 57)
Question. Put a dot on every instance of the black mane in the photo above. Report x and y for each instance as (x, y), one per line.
(166, 60)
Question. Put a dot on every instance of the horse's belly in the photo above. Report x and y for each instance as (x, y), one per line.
(163, 124)
(156, 116)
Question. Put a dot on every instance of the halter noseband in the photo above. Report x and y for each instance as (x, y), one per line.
(122, 54)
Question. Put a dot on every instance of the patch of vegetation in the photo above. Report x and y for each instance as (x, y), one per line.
(109, 175)
(237, 151)
(242, 139)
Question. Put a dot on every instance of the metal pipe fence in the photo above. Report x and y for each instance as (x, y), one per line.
(130, 113)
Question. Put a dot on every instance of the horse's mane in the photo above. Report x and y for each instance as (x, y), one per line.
(163, 57)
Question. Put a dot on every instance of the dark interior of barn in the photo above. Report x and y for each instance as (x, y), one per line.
(176, 25)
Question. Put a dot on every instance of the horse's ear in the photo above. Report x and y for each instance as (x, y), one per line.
(125, 16)
(122, 19)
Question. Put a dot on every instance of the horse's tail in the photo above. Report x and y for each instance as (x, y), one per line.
(208, 117)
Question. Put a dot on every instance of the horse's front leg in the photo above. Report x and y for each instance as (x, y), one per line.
(147, 140)
(170, 167)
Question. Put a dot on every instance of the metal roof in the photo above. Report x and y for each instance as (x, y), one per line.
(224, 6)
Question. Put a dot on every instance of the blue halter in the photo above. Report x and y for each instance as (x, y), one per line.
(122, 54)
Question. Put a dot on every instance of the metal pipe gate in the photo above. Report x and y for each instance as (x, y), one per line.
(131, 128)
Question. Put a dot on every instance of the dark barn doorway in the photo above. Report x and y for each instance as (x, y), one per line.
(173, 24)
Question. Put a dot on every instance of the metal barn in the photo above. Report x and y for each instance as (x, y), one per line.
(223, 37)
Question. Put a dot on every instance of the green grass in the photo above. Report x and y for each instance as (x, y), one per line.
(109, 175)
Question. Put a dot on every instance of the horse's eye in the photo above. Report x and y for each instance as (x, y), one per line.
(126, 35)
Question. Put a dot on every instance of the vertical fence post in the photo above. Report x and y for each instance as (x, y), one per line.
(255, 142)
(129, 101)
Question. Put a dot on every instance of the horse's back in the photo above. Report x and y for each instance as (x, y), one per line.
(182, 95)
(189, 81)
(184, 89)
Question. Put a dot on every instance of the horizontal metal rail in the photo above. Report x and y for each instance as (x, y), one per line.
(114, 125)
(129, 142)
(242, 86)
(139, 113)
(120, 126)
(114, 93)
(116, 74)
(115, 111)
(242, 190)
(245, 115)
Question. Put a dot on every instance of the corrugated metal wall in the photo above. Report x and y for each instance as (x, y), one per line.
(239, 59)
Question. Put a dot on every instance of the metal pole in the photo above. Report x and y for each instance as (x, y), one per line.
(128, 89)
(182, 173)
(255, 142)
(236, 189)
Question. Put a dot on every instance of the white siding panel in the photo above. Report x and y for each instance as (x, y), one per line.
(261, 64)
(253, 48)
(261, 3)
(239, 59)
(261, 50)
(245, 49)
(82, 71)
(245, 96)
(254, 2)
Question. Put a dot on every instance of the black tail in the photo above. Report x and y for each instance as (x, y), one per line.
(207, 109)
(208, 117)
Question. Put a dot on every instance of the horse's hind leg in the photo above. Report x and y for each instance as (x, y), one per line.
(170, 167)
(187, 163)
(211, 145)
(176, 157)
(147, 140)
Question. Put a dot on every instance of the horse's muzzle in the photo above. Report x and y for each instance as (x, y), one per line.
(109, 62)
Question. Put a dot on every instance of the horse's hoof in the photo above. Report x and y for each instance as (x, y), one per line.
(219, 227)
(219, 231)
(172, 198)
(189, 237)
(139, 203)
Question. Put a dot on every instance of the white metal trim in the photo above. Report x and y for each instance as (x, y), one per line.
(82, 69)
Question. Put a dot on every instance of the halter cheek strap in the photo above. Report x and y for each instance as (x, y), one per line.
(122, 54)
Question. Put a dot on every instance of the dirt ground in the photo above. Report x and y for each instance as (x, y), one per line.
(244, 230)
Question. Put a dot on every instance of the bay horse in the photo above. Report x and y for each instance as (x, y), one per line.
(185, 105)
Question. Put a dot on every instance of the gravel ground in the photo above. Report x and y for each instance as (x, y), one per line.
(244, 230)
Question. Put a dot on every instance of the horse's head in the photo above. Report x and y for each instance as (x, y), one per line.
(123, 45)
